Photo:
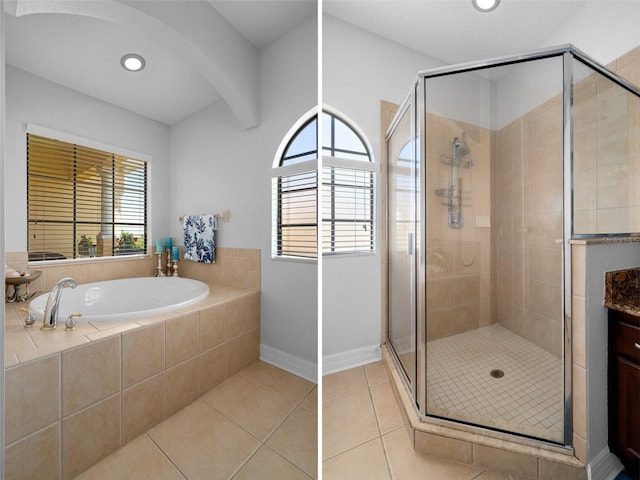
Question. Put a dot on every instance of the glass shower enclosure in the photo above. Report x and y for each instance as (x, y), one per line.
(486, 186)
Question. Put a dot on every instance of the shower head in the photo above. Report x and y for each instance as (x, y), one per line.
(460, 148)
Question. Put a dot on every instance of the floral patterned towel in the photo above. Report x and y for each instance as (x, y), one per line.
(200, 238)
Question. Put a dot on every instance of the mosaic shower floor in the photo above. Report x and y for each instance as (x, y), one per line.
(527, 399)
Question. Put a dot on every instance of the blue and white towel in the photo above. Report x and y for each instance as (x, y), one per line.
(200, 238)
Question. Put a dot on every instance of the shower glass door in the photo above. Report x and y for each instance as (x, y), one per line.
(401, 149)
(494, 247)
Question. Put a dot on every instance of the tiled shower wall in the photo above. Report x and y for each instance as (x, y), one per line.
(461, 297)
(607, 150)
(527, 225)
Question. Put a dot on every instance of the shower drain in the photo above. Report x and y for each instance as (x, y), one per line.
(496, 373)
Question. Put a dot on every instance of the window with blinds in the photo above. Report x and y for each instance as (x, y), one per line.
(348, 190)
(83, 202)
(295, 196)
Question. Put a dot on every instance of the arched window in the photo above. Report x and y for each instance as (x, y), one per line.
(295, 192)
(348, 188)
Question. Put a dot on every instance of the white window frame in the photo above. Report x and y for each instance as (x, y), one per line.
(365, 165)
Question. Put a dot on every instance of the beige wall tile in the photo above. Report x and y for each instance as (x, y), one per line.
(89, 436)
(242, 314)
(549, 469)
(142, 353)
(213, 329)
(579, 390)
(517, 464)
(443, 447)
(212, 368)
(142, 407)
(580, 448)
(440, 291)
(36, 456)
(181, 385)
(32, 397)
(242, 351)
(578, 332)
(89, 374)
(181, 338)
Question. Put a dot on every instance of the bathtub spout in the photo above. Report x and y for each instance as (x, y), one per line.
(53, 303)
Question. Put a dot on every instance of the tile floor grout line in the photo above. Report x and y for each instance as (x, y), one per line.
(253, 435)
(386, 456)
(245, 462)
(267, 438)
(166, 455)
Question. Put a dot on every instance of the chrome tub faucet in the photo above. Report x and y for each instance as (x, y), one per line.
(53, 303)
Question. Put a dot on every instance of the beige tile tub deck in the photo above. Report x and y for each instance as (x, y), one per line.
(116, 380)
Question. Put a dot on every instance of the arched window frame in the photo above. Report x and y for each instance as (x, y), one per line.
(348, 184)
(294, 204)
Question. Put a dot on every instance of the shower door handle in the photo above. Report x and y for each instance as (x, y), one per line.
(410, 244)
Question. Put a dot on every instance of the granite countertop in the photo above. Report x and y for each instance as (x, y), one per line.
(622, 291)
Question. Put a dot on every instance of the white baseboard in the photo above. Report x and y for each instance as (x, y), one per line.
(351, 358)
(605, 466)
(285, 361)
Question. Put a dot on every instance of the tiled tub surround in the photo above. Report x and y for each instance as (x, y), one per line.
(75, 397)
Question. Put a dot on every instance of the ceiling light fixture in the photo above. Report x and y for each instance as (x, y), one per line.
(132, 62)
(485, 5)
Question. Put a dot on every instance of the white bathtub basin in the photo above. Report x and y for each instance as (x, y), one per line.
(124, 299)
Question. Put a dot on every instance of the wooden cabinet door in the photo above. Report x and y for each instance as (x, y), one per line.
(628, 403)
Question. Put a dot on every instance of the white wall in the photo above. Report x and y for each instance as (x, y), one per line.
(604, 30)
(359, 70)
(31, 99)
(216, 165)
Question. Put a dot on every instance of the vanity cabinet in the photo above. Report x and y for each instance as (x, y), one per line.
(624, 388)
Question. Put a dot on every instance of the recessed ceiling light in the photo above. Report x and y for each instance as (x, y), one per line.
(485, 5)
(132, 62)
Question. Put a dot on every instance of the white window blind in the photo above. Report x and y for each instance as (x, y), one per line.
(75, 193)
(296, 228)
(348, 210)
(295, 196)
(348, 189)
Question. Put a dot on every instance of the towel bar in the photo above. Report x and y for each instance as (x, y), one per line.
(224, 216)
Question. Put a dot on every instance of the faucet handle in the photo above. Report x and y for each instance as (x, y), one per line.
(30, 318)
(70, 324)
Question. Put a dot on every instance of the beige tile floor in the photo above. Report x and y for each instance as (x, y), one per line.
(259, 424)
(363, 436)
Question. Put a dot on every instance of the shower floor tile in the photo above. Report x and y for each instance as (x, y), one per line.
(528, 398)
